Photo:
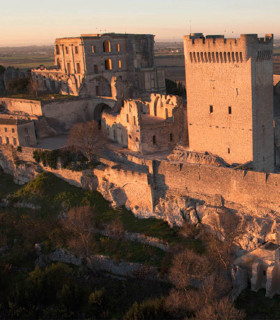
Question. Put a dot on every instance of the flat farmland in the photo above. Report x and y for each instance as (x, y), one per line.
(173, 65)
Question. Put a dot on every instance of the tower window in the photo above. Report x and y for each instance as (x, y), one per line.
(57, 49)
(228, 150)
(106, 46)
(154, 139)
(78, 67)
(211, 109)
(229, 110)
(134, 120)
(108, 64)
(66, 50)
(76, 50)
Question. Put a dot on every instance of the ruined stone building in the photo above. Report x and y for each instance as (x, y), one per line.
(229, 85)
(17, 132)
(146, 126)
(117, 65)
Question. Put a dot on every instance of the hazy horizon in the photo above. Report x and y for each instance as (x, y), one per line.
(36, 23)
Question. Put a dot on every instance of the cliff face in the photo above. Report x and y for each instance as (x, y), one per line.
(170, 191)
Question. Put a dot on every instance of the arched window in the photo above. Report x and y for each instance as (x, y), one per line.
(106, 46)
(120, 64)
(118, 47)
(108, 64)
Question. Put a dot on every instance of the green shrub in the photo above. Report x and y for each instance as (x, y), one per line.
(152, 309)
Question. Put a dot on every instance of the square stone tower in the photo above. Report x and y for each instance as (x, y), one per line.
(229, 85)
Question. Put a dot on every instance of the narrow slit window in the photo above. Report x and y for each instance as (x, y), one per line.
(76, 50)
(93, 49)
(228, 150)
(120, 64)
(127, 118)
(154, 139)
(171, 137)
(241, 57)
(134, 120)
(211, 109)
(229, 110)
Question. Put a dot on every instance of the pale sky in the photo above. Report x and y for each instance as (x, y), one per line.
(25, 22)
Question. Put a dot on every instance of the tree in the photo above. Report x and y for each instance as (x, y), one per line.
(85, 137)
(226, 231)
(18, 85)
(78, 223)
(34, 87)
(2, 69)
(201, 289)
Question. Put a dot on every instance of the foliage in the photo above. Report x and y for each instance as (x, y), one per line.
(18, 85)
(19, 149)
(2, 69)
(66, 157)
(152, 309)
(174, 88)
(86, 137)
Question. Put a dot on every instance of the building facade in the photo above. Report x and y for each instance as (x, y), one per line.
(103, 65)
(229, 85)
(146, 126)
(17, 132)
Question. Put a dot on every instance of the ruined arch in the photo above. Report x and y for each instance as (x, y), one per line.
(98, 110)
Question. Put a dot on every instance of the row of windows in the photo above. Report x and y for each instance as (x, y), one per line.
(211, 109)
(221, 57)
(264, 55)
(6, 130)
(109, 65)
(106, 48)
(7, 140)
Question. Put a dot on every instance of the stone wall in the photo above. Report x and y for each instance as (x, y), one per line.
(30, 107)
(254, 190)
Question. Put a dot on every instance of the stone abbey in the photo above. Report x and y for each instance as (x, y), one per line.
(228, 112)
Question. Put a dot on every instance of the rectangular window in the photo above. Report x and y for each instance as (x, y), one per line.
(228, 150)
(57, 49)
(211, 109)
(6, 130)
(229, 110)
(66, 50)
(15, 141)
(134, 120)
(76, 50)
(127, 118)
(68, 67)
(13, 130)
(97, 90)
(120, 64)
(93, 48)
(171, 137)
(78, 67)
(7, 140)
(108, 64)
(154, 139)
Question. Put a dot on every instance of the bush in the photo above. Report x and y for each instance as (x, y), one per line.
(18, 85)
(152, 309)
(19, 149)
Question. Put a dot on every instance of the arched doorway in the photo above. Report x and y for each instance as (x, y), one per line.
(97, 113)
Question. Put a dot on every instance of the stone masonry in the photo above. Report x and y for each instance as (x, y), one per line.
(229, 86)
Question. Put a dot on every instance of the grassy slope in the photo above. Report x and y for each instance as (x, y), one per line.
(54, 195)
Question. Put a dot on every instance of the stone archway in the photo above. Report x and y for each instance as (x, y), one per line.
(98, 110)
